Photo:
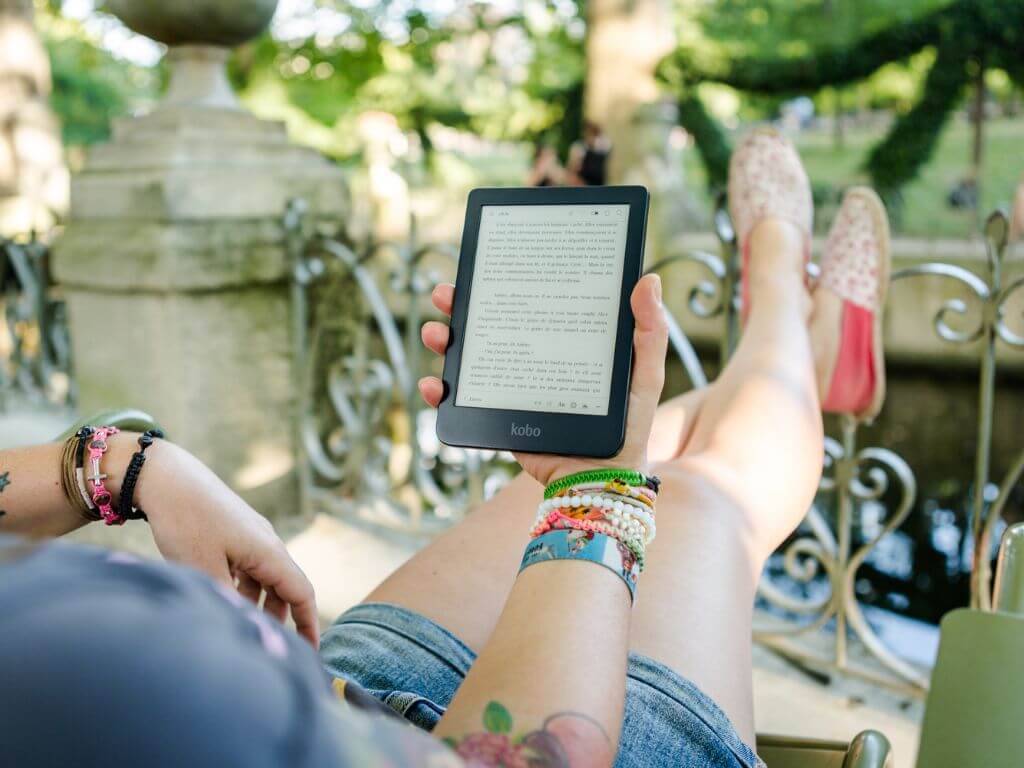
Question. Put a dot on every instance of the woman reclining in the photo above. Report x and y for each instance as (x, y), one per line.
(521, 637)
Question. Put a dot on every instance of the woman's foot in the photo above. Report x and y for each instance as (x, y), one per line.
(767, 181)
(846, 324)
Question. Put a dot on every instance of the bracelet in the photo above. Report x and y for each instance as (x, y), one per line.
(131, 476)
(83, 436)
(629, 477)
(72, 478)
(100, 495)
(607, 507)
(585, 545)
(643, 495)
(556, 521)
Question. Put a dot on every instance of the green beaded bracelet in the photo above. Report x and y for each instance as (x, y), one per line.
(627, 476)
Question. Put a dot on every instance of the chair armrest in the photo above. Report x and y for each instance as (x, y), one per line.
(127, 419)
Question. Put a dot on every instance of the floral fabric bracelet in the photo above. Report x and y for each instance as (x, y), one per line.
(598, 548)
(557, 521)
(101, 497)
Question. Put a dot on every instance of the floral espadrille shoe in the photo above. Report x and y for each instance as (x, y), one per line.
(855, 267)
(767, 180)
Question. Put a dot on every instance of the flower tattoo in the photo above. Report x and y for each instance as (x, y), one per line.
(565, 740)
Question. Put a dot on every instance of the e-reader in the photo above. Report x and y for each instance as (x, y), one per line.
(541, 341)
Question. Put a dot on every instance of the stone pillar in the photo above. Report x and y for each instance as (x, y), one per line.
(174, 266)
(33, 178)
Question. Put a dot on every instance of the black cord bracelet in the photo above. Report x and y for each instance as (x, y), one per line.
(131, 476)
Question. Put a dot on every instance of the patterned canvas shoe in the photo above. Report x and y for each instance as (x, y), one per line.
(855, 267)
(766, 180)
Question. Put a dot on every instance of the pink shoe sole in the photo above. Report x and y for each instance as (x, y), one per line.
(858, 379)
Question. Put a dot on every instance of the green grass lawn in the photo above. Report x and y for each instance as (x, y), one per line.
(926, 213)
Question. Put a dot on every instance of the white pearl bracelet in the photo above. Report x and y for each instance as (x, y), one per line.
(629, 518)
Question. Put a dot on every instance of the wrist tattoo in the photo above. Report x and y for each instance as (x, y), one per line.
(565, 740)
(5, 480)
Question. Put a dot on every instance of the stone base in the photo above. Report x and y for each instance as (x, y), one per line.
(177, 282)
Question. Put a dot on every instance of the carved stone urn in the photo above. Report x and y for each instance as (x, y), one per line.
(200, 35)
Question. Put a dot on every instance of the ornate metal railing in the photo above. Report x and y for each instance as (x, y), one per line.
(35, 351)
(372, 450)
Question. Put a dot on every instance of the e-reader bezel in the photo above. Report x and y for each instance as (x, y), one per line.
(567, 434)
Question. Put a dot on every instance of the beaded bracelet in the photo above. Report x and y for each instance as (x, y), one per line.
(631, 539)
(603, 506)
(131, 476)
(644, 495)
(101, 497)
(623, 527)
(585, 545)
(556, 522)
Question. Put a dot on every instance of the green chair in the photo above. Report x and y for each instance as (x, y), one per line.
(974, 715)
(869, 749)
(975, 710)
(127, 419)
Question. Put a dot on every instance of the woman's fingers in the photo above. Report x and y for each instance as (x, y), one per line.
(442, 297)
(275, 606)
(435, 336)
(432, 390)
(285, 585)
(249, 588)
(650, 343)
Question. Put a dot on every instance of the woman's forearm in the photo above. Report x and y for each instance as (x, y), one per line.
(32, 502)
(550, 684)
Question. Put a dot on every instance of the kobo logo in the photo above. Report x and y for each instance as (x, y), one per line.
(524, 430)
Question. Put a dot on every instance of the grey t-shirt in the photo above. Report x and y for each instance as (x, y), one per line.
(108, 660)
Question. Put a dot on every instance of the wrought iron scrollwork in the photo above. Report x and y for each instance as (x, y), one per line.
(35, 348)
(371, 448)
(378, 445)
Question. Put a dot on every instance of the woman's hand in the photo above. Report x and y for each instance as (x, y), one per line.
(650, 342)
(198, 521)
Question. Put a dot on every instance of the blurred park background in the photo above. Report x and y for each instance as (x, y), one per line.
(228, 212)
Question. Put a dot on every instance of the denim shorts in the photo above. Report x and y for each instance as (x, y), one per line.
(415, 666)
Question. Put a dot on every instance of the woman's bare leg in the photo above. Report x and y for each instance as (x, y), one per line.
(746, 479)
(756, 433)
(461, 579)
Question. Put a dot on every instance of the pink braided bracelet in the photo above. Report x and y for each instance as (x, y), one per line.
(101, 497)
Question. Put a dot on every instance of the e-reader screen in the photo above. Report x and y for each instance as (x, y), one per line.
(544, 308)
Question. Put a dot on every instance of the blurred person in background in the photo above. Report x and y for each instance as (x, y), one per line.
(546, 171)
(588, 159)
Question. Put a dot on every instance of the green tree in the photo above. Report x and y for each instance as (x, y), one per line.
(969, 37)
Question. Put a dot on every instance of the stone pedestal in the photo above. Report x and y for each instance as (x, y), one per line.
(176, 278)
(33, 178)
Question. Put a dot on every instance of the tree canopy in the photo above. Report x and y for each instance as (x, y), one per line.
(968, 37)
